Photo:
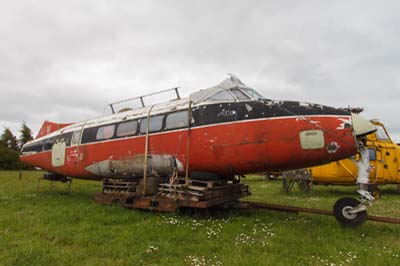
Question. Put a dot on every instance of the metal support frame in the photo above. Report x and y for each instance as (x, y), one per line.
(188, 144)
(301, 177)
(78, 145)
(69, 181)
(146, 151)
(141, 98)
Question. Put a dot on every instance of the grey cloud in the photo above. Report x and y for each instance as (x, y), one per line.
(64, 60)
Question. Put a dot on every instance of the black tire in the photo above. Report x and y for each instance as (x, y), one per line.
(348, 220)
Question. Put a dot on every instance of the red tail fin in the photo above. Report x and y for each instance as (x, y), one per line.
(49, 127)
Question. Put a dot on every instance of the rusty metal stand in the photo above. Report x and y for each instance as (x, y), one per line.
(172, 195)
(300, 177)
(52, 186)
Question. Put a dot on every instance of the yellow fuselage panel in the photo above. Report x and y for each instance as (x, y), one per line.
(384, 159)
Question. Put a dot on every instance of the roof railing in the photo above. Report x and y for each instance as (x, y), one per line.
(141, 98)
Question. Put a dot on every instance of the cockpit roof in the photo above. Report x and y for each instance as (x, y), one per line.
(231, 89)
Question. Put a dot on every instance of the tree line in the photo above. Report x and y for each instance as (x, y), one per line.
(10, 148)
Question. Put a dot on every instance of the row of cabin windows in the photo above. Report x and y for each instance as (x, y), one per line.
(172, 121)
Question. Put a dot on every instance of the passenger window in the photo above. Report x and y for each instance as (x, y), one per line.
(105, 132)
(221, 96)
(127, 129)
(76, 137)
(155, 124)
(239, 95)
(177, 120)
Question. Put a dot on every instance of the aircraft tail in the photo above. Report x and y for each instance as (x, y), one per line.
(48, 127)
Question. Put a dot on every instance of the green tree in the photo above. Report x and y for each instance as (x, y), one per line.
(9, 154)
(26, 134)
(8, 140)
(9, 159)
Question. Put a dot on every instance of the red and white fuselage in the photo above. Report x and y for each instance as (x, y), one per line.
(232, 131)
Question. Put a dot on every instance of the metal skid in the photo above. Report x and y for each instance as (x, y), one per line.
(170, 197)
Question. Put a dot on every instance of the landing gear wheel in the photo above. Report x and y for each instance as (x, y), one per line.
(341, 211)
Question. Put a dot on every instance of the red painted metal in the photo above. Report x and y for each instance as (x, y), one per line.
(226, 149)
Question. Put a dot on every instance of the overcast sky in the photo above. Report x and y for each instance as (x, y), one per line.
(64, 60)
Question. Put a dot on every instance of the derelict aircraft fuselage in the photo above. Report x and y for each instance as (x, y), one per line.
(222, 131)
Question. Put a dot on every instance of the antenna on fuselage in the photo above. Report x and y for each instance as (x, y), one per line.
(235, 78)
(141, 98)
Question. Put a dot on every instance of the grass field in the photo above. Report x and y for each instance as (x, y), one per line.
(56, 228)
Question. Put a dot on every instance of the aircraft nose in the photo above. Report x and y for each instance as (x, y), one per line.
(361, 125)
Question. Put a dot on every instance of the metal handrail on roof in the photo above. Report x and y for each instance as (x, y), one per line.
(141, 98)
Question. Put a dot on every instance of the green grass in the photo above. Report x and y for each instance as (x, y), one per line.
(55, 228)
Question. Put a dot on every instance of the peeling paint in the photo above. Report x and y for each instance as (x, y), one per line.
(248, 107)
(226, 113)
(345, 123)
(304, 104)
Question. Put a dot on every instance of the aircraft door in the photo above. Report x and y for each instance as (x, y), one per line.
(58, 153)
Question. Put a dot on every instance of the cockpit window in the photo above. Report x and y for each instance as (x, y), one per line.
(235, 94)
(253, 94)
(381, 133)
(239, 95)
(221, 96)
